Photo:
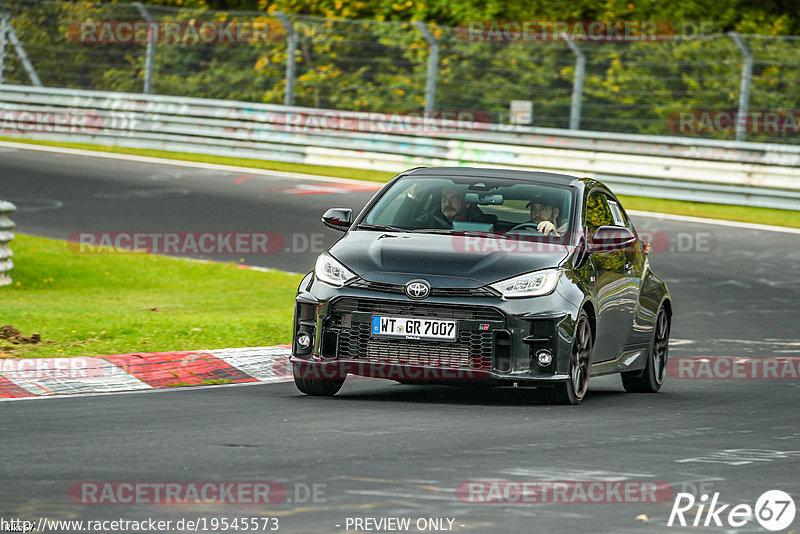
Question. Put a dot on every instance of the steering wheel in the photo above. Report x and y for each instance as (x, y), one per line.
(530, 226)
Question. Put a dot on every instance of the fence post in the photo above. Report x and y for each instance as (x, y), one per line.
(6, 225)
(744, 88)
(17, 44)
(291, 60)
(150, 53)
(433, 65)
(577, 83)
(5, 25)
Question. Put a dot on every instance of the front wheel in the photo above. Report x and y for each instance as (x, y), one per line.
(652, 377)
(309, 379)
(573, 390)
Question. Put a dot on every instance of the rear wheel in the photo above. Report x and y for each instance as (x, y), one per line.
(309, 380)
(652, 377)
(573, 390)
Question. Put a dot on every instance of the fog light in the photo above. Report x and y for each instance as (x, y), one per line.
(544, 357)
(303, 341)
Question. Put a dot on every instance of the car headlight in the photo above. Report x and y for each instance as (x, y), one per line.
(331, 271)
(532, 284)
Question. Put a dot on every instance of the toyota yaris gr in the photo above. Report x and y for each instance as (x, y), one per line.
(483, 277)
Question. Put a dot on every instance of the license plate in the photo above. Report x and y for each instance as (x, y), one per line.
(413, 328)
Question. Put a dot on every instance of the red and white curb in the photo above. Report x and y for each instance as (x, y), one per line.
(34, 377)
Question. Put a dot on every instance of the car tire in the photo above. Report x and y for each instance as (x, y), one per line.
(312, 383)
(650, 379)
(573, 390)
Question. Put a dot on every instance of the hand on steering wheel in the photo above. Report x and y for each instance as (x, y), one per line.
(544, 227)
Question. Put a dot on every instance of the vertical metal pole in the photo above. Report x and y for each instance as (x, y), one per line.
(577, 83)
(291, 57)
(433, 65)
(150, 54)
(8, 34)
(26, 63)
(5, 24)
(744, 88)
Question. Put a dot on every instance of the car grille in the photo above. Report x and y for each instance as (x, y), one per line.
(457, 292)
(472, 350)
(415, 309)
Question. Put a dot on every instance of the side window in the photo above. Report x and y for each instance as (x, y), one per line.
(598, 213)
(616, 213)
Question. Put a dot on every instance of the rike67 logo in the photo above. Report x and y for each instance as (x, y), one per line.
(774, 510)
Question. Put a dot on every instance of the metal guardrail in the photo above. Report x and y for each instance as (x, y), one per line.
(6, 236)
(729, 172)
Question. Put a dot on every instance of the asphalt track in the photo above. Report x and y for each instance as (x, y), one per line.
(379, 449)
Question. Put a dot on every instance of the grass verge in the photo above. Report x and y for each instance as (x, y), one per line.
(99, 304)
(726, 212)
(677, 207)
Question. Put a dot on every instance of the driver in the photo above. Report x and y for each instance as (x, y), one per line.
(544, 213)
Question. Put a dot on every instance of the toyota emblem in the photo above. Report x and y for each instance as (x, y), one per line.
(418, 289)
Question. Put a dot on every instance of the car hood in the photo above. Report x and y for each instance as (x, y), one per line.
(444, 260)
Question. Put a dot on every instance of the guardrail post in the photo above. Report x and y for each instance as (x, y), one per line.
(150, 54)
(5, 25)
(577, 83)
(744, 88)
(6, 225)
(291, 59)
(433, 65)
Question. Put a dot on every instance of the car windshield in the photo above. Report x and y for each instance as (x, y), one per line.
(500, 207)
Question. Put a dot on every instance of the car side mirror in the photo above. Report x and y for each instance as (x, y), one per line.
(338, 218)
(610, 238)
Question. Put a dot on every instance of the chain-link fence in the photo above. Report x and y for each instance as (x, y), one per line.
(683, 84)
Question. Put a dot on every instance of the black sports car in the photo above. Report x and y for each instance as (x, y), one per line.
(483, 277)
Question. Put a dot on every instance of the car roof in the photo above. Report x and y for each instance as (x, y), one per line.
(527, 176)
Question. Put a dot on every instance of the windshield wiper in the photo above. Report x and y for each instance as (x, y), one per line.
(450, 231)
(432, 230)
(380, 227)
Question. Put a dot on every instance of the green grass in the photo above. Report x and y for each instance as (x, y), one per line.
(678, 207)
(99, 304)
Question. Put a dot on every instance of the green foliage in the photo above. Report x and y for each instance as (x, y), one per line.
(366, 55)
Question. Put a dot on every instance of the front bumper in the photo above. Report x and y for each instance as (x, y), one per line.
(496, 345)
